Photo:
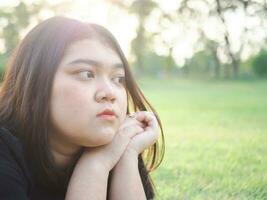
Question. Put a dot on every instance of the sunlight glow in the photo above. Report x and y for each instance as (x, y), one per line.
(124, 24)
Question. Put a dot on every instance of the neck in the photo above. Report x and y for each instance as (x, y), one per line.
(63, 153)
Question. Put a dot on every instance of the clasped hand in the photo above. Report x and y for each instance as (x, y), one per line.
(139, 131)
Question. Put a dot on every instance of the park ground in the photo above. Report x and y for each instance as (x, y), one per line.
(216, 138)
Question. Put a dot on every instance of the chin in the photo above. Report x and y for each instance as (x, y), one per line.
(105, 138)
(108, 137)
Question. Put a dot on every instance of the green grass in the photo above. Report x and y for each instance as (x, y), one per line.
(216, 138)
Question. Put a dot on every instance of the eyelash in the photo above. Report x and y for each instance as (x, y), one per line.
(121, 80)
(86, 72)
(120, 77)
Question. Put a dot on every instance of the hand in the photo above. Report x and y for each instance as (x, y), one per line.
(148, 136)
(106, 156)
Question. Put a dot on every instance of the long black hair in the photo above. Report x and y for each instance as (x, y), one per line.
(26, 90)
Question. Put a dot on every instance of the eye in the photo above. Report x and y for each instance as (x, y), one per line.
(86, 75)
(119, 80)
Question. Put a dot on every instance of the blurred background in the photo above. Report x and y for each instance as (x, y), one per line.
(203, 66)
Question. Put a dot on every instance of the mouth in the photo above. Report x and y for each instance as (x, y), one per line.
(107, 114)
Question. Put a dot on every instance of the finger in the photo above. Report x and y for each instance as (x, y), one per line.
(131, 130)
(132, 121)
(151, 134)
(145, 139)
(143, 116)
(122, 139)
(147, 117)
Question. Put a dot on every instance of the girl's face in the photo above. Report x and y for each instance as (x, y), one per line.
(88, 81)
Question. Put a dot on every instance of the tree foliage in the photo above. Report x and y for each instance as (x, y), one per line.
(14, 20)
(259, 63)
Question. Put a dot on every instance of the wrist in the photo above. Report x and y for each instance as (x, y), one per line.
(130, 153)
(128, 158)
(89, 164)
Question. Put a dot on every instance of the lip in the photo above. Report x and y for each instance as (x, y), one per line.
(107, 114)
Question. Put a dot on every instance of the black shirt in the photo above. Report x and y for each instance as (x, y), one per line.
(16, 179)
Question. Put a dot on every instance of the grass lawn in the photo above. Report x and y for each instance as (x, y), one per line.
(216, 138)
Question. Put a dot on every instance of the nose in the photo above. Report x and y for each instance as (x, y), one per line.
(105, 93)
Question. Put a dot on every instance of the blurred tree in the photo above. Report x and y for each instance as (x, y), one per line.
(142, 9)
(234, 57)
(14, 20)
(3, 60)
(251, 9)
(225, 50)
(210, 48)
(200, 11)
(201, 64)
(139, 45)
(157, 65)
(259, 63)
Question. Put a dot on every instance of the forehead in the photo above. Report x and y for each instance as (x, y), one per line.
(91, 49)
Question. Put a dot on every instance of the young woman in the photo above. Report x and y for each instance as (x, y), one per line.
(73, 122)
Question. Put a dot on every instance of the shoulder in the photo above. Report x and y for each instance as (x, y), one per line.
(10, 146)
(14, 178)
(8, 139)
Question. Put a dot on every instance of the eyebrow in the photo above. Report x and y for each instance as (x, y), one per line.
(94, 63)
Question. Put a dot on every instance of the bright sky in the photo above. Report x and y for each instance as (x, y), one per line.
(123, 25)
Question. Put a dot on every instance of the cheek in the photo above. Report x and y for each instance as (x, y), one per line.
(122, 103)
(70, 98)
